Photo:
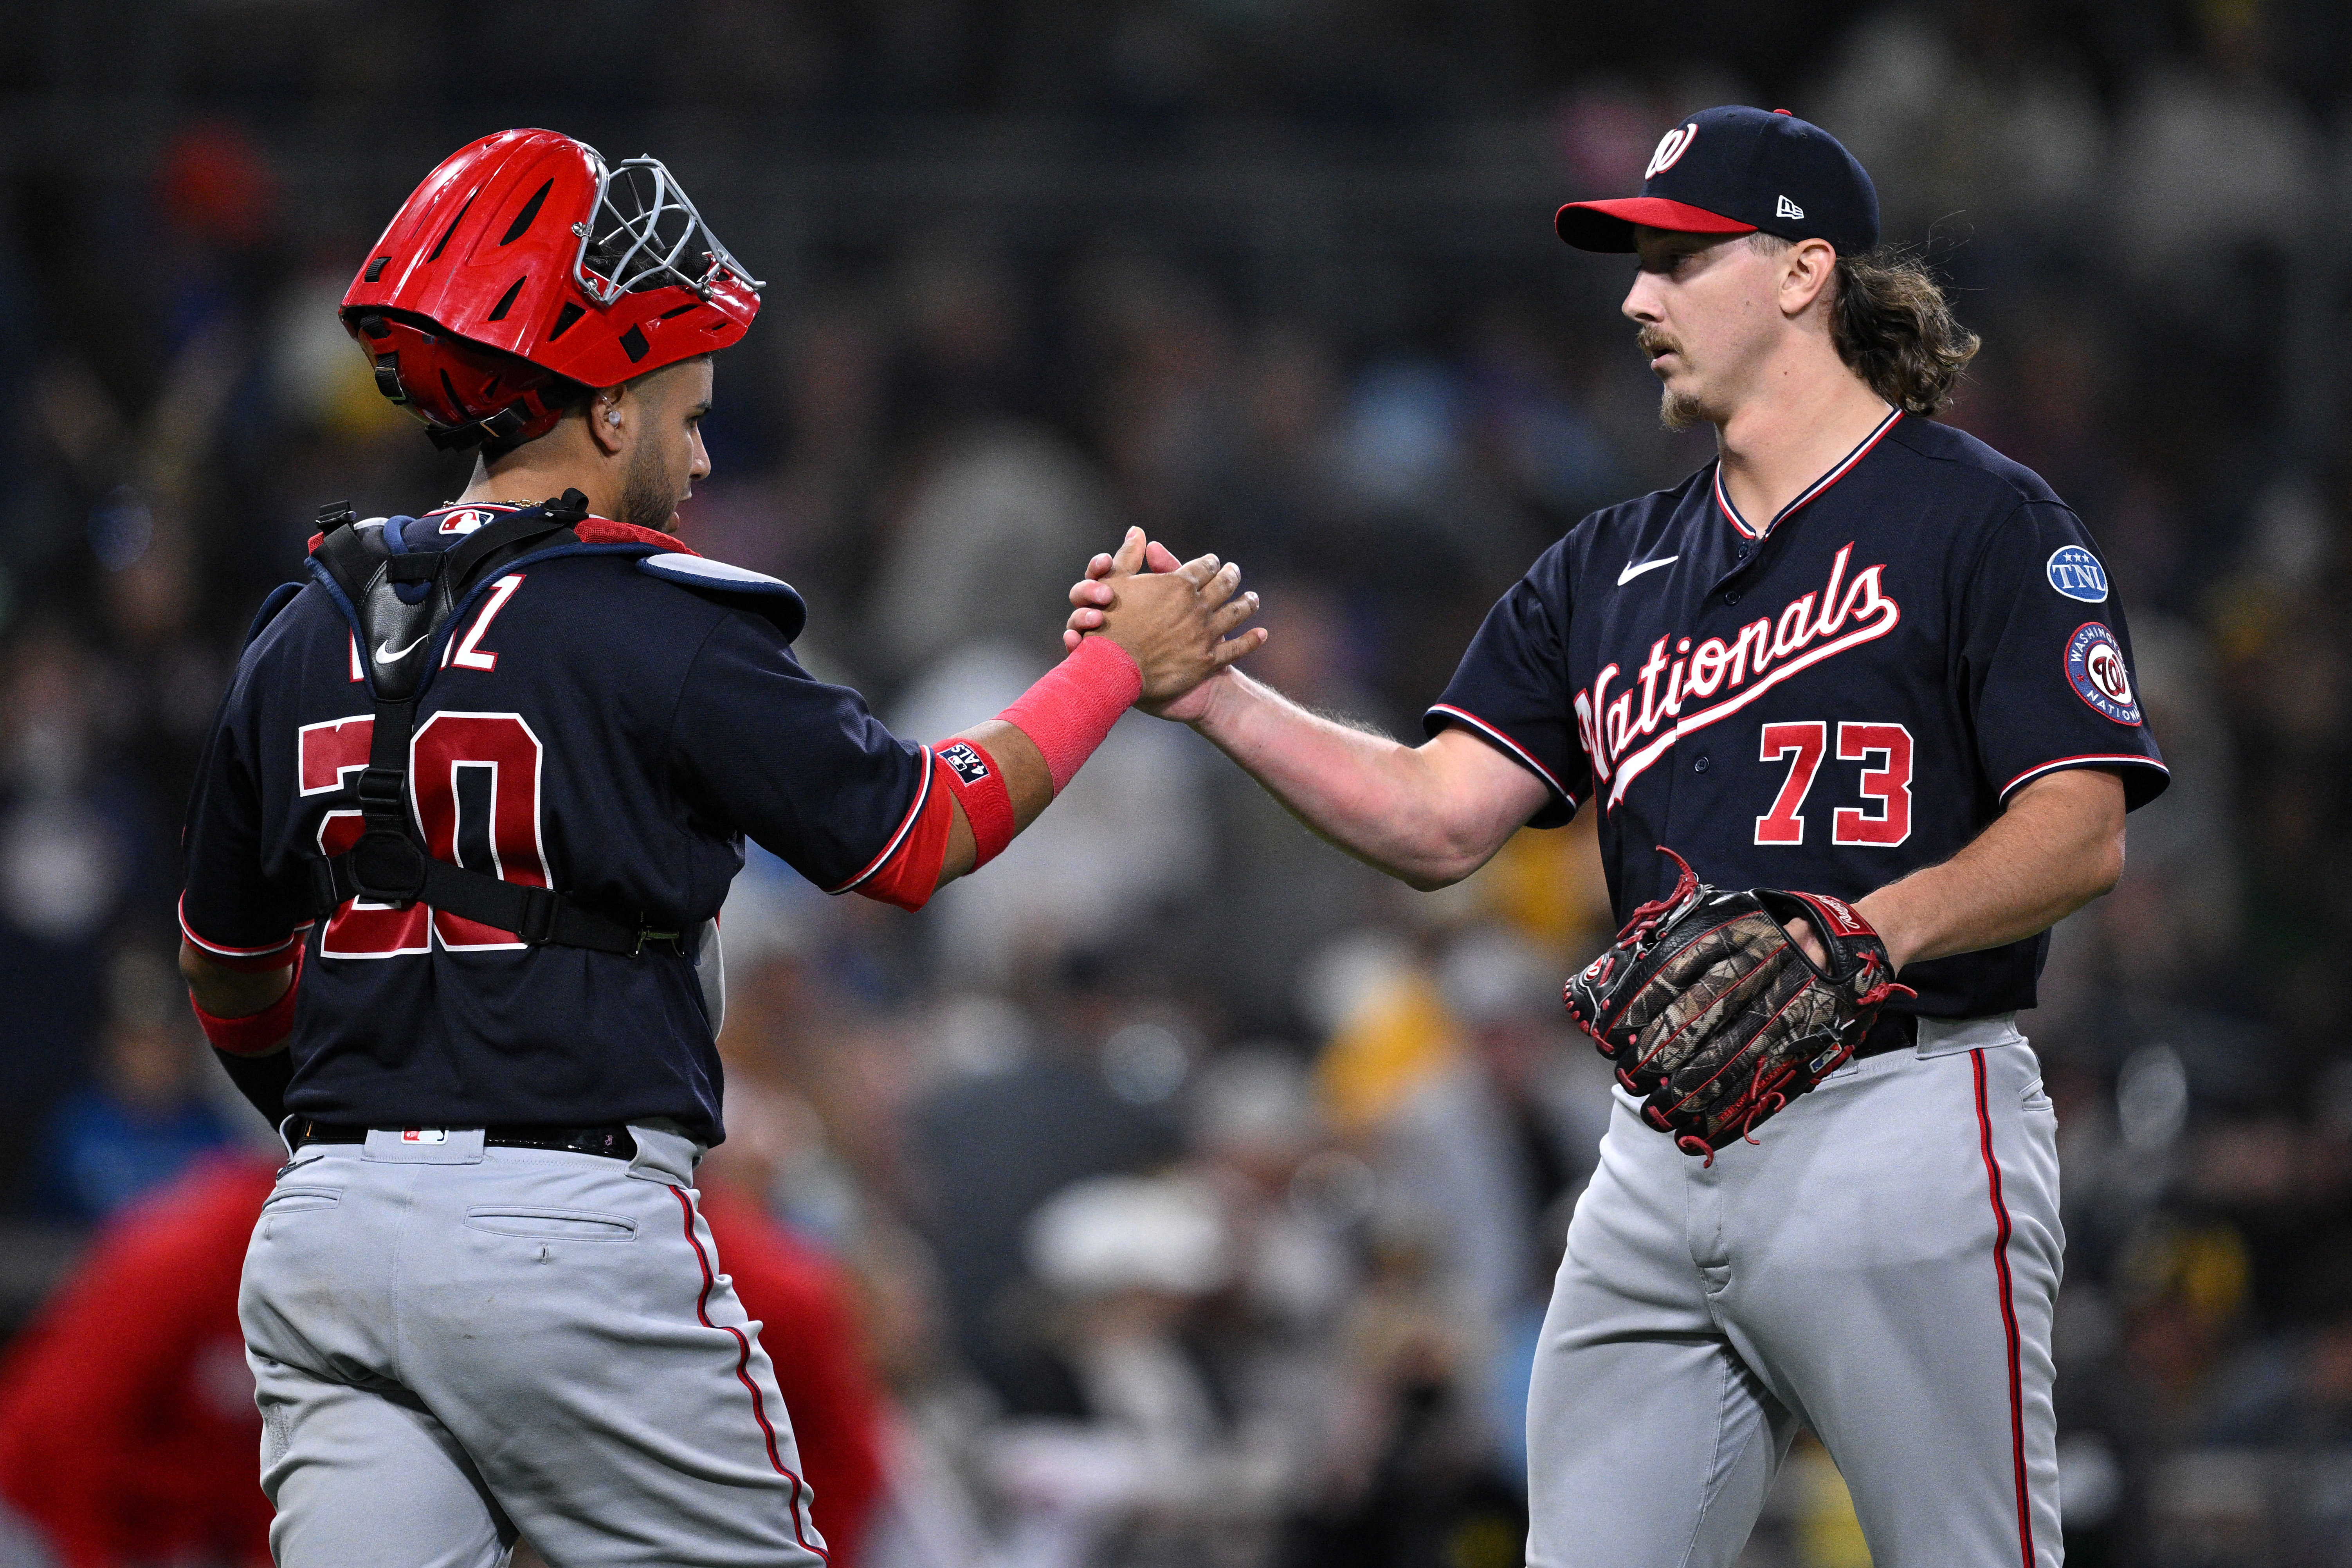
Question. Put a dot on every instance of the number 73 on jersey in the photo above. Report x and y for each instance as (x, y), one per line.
(1884, 751)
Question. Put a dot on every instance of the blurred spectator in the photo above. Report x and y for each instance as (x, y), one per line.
(1973, 117)
(128, 1432)
(1016, 1119)
(150, 1112)
(2213, 155)
(74, 851)
(1146, 1465)
(803, 1302)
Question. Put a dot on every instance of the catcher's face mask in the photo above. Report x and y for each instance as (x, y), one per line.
(524, 267)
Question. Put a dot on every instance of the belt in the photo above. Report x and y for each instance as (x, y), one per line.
(1893, 1032)
(612, 1142)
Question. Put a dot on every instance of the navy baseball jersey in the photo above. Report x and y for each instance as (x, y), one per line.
(590, 727)
(1825, 702)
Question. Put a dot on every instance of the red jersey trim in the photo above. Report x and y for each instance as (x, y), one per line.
(2008, 1316)
(604, 531)
(1480, 727)
(2120, 760)
(922, 793)
(276, 954)
(1806, 495)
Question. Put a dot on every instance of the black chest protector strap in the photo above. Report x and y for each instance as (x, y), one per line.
(389, 864)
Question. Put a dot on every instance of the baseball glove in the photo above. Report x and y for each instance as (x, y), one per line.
(1714, 1015)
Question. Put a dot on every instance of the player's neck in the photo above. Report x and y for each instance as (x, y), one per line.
(520, 479)
(1777, 443)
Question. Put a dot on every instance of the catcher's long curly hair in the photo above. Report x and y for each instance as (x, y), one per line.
(1893, 326)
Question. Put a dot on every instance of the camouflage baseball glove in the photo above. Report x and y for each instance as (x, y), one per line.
(1714, 1015)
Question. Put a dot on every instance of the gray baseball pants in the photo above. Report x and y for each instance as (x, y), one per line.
(1882, 1266)
(453, 1343)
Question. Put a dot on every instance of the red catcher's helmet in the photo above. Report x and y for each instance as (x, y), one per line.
(524, 269)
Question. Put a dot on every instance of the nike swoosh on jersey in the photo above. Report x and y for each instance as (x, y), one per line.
(1633, 571)
(385, 653)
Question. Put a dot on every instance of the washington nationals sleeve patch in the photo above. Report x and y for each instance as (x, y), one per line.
(2095, 668)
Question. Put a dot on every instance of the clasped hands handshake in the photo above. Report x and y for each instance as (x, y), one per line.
(1172, 617)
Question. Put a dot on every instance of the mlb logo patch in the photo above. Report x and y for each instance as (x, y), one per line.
(424, 1135)
(465, 520)
(965, 761)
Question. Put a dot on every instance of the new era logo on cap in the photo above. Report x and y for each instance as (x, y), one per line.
(1736, 170)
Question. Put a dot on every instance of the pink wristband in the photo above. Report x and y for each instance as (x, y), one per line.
(256, 1034)
(1073, 705)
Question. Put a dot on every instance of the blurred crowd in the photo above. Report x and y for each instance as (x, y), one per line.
(1178, 1192)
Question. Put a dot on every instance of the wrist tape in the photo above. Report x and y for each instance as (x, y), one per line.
(979, 784)
(256, 1034)
(1073, 705)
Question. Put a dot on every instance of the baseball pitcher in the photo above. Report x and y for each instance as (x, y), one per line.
(1856, 704)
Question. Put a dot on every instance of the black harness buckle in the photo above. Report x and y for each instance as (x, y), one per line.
(387, 867)
(383, 791)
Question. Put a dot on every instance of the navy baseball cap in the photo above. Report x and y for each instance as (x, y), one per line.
(1738, 170)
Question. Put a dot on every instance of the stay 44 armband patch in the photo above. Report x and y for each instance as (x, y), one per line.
(1717, 1018)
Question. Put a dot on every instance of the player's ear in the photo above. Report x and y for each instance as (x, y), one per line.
(1806, 269)
(608, 418)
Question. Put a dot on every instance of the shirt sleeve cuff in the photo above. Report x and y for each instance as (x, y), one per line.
(248, 960)
(2144, 777)
(1444, 713)
(898, 838)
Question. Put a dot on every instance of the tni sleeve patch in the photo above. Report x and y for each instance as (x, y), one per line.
(2076, 573)
(2095, 668)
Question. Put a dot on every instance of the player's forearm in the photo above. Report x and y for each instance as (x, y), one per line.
(2059, 845)
(248, 1017)
(226, 992)
(1027, 781)
(1379, 801)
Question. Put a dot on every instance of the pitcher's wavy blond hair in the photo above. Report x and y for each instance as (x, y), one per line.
(1893, 327)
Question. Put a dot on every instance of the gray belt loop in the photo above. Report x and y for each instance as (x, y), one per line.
(665, 1153)
(1951, 1036)
(424, 1145)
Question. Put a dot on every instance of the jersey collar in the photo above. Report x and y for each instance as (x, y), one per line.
(460, 518)
(1837, 471)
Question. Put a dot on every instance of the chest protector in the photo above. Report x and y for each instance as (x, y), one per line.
(398, 601)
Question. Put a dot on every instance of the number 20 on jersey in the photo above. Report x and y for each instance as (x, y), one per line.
(476, 782)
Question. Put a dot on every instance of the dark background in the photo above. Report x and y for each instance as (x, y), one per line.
(1273, 278)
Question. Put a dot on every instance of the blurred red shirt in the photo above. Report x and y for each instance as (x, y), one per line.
(809, 1330)
(127, 1426)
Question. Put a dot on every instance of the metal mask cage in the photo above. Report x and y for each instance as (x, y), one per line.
(644, 233)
